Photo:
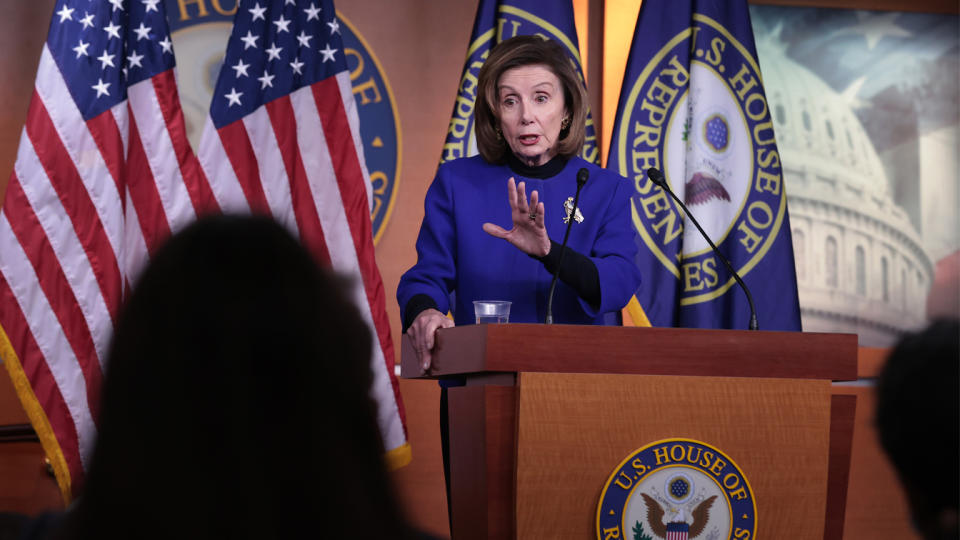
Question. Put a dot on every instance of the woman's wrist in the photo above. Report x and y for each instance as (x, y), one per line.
(415, 306)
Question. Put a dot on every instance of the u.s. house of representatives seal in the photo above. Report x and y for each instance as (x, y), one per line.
(200, 30)
(706, 123)
(677, 489)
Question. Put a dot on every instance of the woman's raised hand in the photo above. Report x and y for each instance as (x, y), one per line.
(528, 233)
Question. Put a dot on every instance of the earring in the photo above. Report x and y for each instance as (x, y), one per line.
(499, 134)
(565, 123)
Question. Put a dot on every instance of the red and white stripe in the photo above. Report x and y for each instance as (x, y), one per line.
(86, 205)
(300, 159)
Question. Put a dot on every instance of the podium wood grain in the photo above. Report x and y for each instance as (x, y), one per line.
(574, 429)
(491, 348)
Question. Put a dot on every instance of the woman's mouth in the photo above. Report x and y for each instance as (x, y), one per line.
(529, 139)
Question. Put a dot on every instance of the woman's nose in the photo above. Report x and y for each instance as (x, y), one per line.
(526, 117)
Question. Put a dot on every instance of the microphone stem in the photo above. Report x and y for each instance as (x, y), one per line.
(753, 325)
(563, 250)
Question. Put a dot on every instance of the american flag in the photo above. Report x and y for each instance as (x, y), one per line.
(103, 174)
(283, 138)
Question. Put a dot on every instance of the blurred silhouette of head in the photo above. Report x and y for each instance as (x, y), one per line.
(918, 420)
(236, 401)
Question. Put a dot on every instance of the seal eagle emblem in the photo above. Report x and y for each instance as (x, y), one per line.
(679, 526)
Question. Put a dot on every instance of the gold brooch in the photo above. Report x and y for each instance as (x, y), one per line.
(568, 207)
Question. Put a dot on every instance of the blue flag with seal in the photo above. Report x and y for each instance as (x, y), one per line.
(496, 21)
(692, 105)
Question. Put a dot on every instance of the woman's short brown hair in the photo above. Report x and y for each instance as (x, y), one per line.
(527, 51)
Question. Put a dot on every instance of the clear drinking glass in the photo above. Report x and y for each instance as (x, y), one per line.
(491, 311)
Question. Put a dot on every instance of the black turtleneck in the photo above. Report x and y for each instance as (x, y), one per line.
(578, 271)
(542, 172)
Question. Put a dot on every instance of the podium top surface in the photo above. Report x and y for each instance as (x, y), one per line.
(499, 348)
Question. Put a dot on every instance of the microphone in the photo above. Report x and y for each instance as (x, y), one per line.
(657, 178)
(582, 176)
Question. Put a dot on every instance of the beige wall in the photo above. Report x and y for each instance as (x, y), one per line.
(23, 29)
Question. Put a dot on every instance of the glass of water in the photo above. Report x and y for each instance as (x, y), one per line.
(491, 311)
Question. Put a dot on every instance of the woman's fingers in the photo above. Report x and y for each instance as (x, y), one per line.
(534, 199)
(425, 359)
(417, 333)
(426, 348)
(436, 322)
(428, 337)
(519, 207)
(522, 198)
(495, 230)
(528, 232)
(423, 333)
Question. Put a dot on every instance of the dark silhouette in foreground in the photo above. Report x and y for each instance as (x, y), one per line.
(918, 420)
(236, 401)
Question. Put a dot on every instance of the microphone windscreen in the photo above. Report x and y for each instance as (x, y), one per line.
(582, 176)
(655, 176)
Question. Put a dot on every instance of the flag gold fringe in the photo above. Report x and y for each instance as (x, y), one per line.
(38, 418)
(399, 457)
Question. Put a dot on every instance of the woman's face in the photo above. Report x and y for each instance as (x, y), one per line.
(531, 107)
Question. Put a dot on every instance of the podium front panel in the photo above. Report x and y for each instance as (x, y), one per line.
(574, 429)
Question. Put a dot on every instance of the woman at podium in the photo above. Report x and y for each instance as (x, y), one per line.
(530, 123)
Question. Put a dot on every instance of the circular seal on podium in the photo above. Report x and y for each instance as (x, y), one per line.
(677, 489)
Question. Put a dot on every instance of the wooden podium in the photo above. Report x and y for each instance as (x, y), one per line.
(548, 412)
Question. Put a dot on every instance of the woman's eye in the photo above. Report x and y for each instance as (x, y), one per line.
(541, 99)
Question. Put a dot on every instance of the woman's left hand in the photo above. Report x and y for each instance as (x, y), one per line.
(528, 233)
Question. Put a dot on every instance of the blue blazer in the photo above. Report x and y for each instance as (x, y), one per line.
(455, 255)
